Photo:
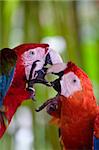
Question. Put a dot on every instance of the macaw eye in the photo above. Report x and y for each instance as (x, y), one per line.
(74, 80)
(70, 83)
(31, 53)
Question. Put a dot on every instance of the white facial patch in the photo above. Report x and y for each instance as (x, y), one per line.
(31, 56)
(70, 84)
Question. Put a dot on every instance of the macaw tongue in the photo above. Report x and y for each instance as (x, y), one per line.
(50, 104)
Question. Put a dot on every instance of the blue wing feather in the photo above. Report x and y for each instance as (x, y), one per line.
(5, 82)
(96, 143)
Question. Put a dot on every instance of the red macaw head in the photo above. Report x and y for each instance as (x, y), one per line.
(72, 79)
(35, 58)
(72, 84)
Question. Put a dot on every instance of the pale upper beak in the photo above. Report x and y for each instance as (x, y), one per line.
(56, 68)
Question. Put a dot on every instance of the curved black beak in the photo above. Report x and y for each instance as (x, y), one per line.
(51, 105)
(56, 85)
(40, 78)
(39, 70)
(57, 69)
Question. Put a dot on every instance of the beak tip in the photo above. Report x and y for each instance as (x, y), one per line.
(37, 110)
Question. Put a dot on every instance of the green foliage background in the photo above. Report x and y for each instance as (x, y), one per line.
(30, 21)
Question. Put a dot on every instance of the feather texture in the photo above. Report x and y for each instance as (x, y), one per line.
(13, 81)
(79, 113)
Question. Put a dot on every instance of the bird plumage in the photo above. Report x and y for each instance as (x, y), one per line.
(12, 82)
(78, 119)
(21, 66)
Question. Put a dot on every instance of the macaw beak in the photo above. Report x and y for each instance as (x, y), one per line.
(57, 69)
(38, 79)
(39, 75)
(50, 105)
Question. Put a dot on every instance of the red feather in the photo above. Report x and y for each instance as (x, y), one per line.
(96, 125)
(24, 47)
(2, 125)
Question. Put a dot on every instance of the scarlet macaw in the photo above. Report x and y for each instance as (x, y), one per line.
(74, 109)
(21, 66)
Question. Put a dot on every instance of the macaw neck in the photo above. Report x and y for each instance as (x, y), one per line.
(20, 73)
(78, 104)
(77, 119)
